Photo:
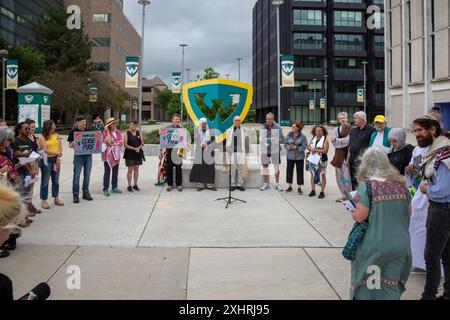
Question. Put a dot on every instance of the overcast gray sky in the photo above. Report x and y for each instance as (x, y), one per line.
(217, 32)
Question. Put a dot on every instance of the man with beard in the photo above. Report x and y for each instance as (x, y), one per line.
(435, 170)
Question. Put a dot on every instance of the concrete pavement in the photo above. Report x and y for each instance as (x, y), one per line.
(160, 245)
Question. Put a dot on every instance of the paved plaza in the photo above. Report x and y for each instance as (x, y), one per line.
(160, 245)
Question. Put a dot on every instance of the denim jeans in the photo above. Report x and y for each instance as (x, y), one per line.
(47, 173)
(24, 192)
(107, 176)
(81, 162)
(437, 247)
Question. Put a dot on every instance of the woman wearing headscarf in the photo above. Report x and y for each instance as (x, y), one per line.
(204, 171)
(401, 154)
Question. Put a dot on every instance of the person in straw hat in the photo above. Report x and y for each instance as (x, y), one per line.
(111, 156)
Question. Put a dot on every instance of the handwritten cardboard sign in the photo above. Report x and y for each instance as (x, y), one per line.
(88, 142)
(173, 138)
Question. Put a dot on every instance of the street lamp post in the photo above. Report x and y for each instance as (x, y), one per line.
(143, 3)
(239, 68)
(315, 100)
(228, 76)
(188, 75)
(183, 45)
(3, 54)
(364, 63)
(326, 98)
(277, 4)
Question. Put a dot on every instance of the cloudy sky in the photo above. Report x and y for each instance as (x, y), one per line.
(217, 32)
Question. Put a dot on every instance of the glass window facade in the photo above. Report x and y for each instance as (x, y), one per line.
(309, 41)
(310, 65)
(101, 42)
(101, 17)
(348, 18)
(349, 66)
(379, 43)
(346, 90)
(309, 17)
(349, 42)
(348, 1)
(18, 18)
(305, 89)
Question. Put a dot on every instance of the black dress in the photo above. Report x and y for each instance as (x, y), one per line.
(401, 159)
(201, 171)
(132, 158)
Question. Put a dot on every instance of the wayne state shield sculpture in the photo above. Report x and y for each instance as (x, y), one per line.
(219, 96)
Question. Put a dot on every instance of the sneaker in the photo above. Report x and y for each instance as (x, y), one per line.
(199, 189)
(342, 198)
(180, 189)
(233, 188)
(58, 202)
(241, 189)
(130, 189)
(106, 193)
(45, 205)
(322, 195)
(87, 196)
(300, 191)
(169, 188)
(116, 190)
(312, 194)
(136, 188)
(76, 198)
(28, 220)
(213, 189)
(279, 188)
(265, 187)
(289, 190)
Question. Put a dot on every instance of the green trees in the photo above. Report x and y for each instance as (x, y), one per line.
(62, 48)
(169, 101)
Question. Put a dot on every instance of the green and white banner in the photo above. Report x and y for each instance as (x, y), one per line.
(132, 72)
(287, 71)
(93, 92)
(176, 82)
(360, 94)
(12, 74)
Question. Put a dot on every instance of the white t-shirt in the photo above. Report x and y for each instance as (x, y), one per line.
(378, 142)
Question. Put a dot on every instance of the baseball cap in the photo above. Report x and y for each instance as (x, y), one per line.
(380, 118)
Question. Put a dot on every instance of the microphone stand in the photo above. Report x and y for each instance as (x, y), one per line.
(230, 199)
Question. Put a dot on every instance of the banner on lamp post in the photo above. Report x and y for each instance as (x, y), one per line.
(360, 95)
(132, 72)
(176, 82)
(323, 103)
(93, 92)
(12, 74)
(287, 71)
(312, 105)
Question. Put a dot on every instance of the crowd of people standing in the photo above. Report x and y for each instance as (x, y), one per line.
(399, 191)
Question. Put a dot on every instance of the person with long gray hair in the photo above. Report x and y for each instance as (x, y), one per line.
(383, 201)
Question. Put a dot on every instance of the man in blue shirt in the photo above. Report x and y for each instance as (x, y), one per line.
(435, 167)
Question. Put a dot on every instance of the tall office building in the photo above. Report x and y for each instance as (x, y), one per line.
(113, 38)
(330, 40)
(18, 17)
(418, 59)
